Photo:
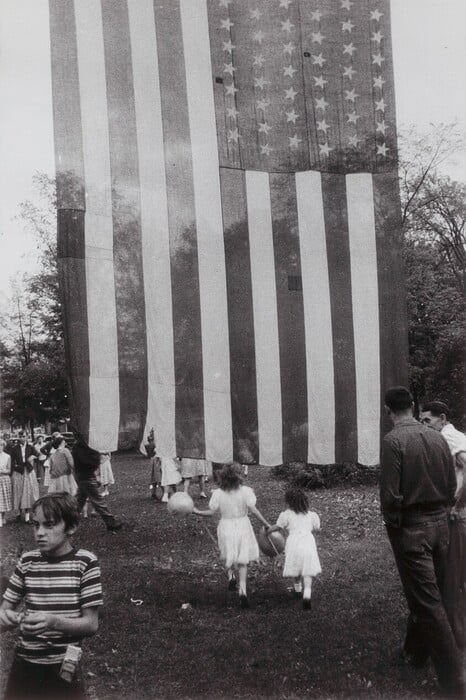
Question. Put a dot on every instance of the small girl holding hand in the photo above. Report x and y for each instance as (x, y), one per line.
(236, 539)
(301, 558)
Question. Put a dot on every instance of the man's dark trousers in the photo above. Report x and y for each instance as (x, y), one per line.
(89, 489)
(420, 547)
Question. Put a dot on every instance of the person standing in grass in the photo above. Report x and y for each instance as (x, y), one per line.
(62, 592)
(417, 485)
(106, 477)
(5, 482)
(236, 539)
(436, 415)
(301, 558)
(86, 462)
(61, 466)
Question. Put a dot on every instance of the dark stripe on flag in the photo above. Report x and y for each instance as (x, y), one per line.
(338, 255)
(240, 316)
(290, 314)
(189, 400)
(71, 205)
(392, 291)
(127, 248)
(72, 285)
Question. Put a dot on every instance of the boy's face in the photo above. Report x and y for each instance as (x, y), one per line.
(435, 422)
(51, 537)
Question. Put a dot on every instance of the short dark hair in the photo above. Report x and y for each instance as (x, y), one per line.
(229, 477)
(297, 500)
(59, 506)
(398, 398)
(57, 441)
(437, 407)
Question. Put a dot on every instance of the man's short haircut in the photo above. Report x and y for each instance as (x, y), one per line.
(59, 506)
(437, 407)
(398, 398)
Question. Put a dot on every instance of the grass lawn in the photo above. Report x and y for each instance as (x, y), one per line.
(344, 647)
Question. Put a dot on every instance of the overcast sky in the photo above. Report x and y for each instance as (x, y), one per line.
(429, 47)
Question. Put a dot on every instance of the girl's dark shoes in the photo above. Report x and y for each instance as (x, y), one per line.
(306, 603)
(232, 584)
(243, 602)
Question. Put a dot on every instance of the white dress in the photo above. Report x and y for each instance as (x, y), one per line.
(301, 558)
(170, 471)
(236, 539)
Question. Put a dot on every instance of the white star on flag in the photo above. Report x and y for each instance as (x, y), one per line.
(228, 46)
(349, 48)
(258, 36)
(347, 26)
(350, 95)
(291, 116)
(348, 72)
(227, 24)
(377, 58)
(285, 3)
(352, 117)
(353, 140)
(317, 37)
(289, 48)
(319, 81)
(316, 15)
(377, 37)
(264, 128)
(261, 82)
(294, 141)
(381, 127)
(266, 149)
(224, 3)
(286, 26)
(378, 82)
(262, 104)
(346, 4)
(233, 135)
(288, 71)
(382, 150)
(232, 112)
(380, 105)
(318, 60)
(256, 14)
(229, 68)
(323, 126)
(324, 149)
(231, 89)
(321, 103)
(259, 60)
(290, 94)
(375, 14)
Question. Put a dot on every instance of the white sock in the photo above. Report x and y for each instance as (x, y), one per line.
(26, 517)
(307, 592)
(298, 587)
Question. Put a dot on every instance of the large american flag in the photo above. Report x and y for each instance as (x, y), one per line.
(229, 224)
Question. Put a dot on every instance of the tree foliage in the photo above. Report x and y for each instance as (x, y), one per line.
(434, 215)
(34, 386)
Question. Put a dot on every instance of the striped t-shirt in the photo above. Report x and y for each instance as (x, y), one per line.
(61, 586)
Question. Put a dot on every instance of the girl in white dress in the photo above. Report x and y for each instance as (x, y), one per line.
(5, 482)
(236, 539)
(301, 558)
(61, 468)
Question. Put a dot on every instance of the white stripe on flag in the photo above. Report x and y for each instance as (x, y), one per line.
(363, 253)
(103, 349)
(264, 296)
(317, 318)
(209, 226)
(154, 225)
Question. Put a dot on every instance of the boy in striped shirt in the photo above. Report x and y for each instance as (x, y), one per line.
(62, 592)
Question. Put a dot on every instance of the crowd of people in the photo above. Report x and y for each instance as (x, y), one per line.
(423, 503)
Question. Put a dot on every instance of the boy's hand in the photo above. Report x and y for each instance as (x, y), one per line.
(37, 623)
(10, 618)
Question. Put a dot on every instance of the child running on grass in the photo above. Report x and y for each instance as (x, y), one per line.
(62, 593)
(236, 539)
(301, 558)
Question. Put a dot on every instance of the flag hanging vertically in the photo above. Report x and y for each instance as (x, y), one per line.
(228, 225)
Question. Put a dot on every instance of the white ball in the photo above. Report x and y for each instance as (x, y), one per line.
(180, 502)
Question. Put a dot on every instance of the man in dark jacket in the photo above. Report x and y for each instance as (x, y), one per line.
(417, 486)
(86, 463)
